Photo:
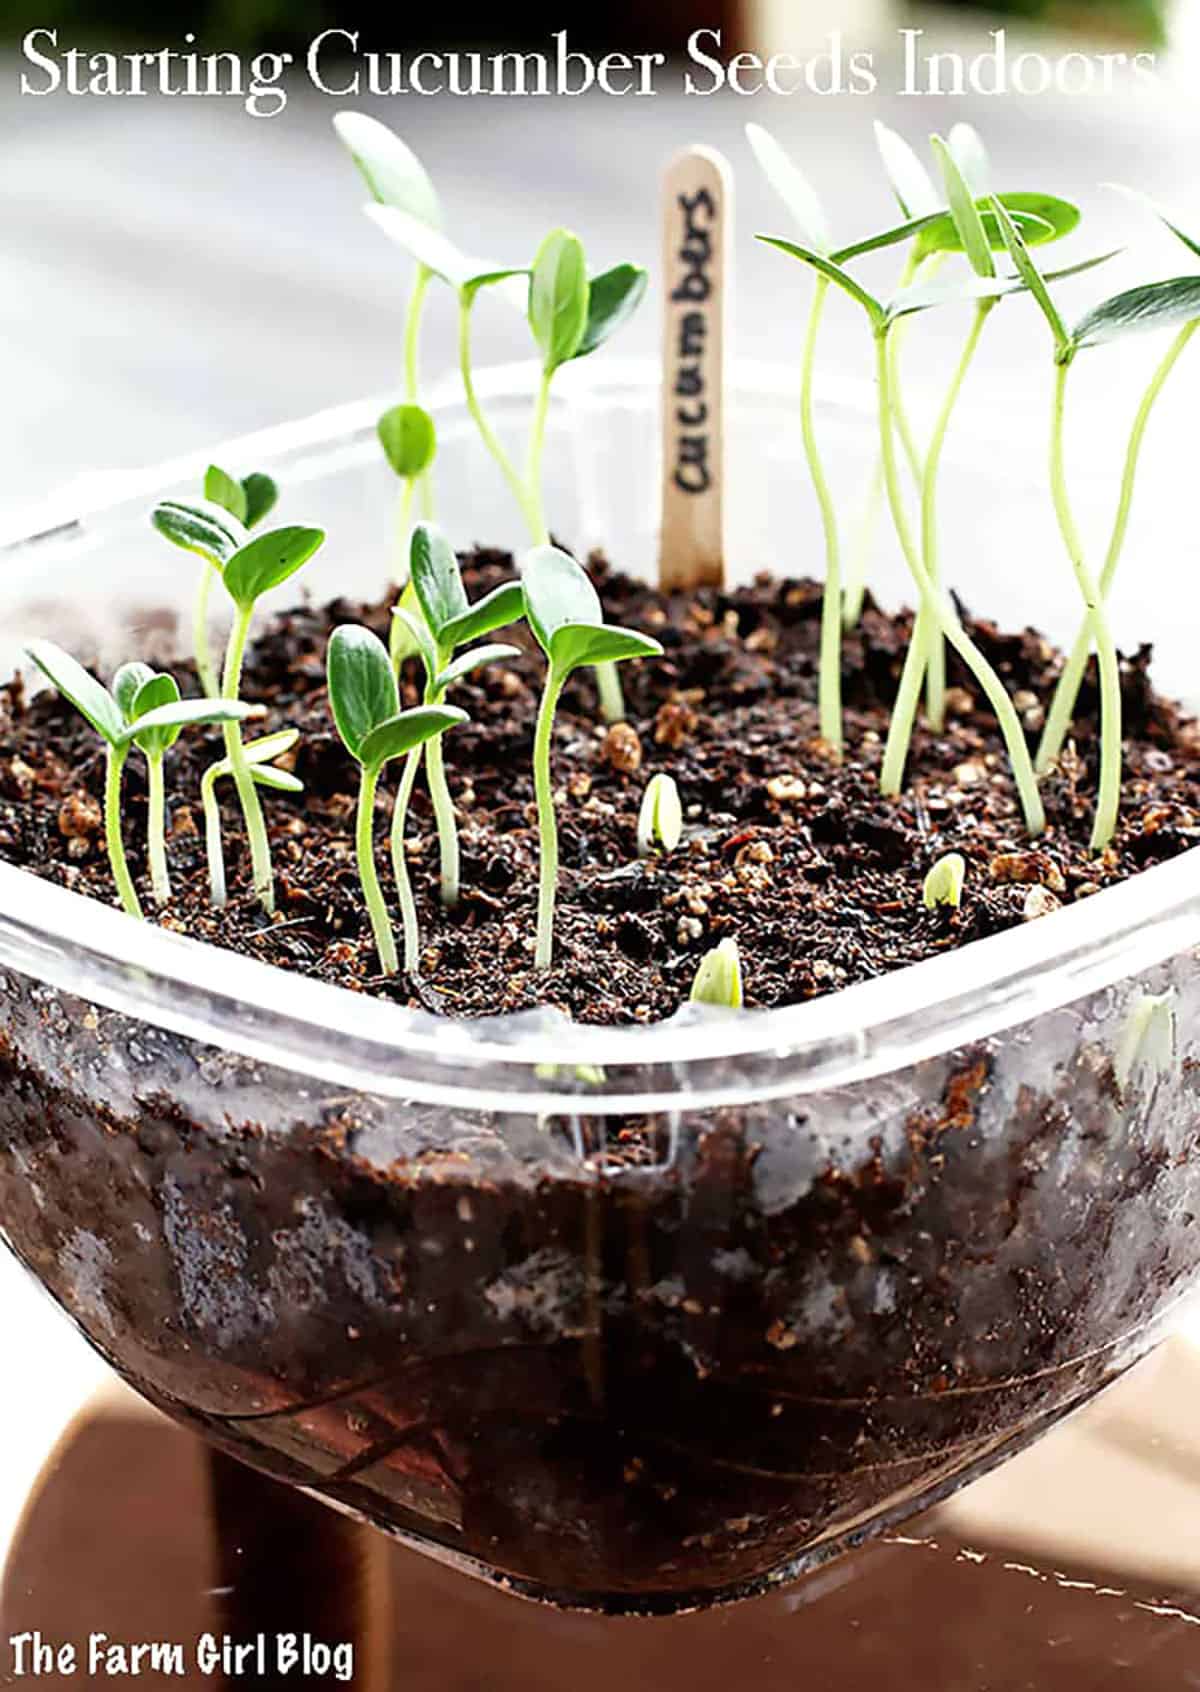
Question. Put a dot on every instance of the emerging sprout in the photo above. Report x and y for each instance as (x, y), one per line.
(144, 709)
(365, 702)
(660, 820)
(567, 621)
(442, 621)
(260, 755)
(1147, 1039)
(944, 883)
(719, 978)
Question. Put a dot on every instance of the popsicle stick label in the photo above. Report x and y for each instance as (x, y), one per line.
(697, 233)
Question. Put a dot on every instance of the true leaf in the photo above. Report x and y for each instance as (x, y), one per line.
(971, 157)
(793, 188)
(613, 297)
(436, 578)
(911, 183)
(390, 168)
(557, 591)
(1154, 305)
(268, 560)
(362, 684)
(496, 610)
(964, 212)
(127, 682)
(213, 537)
(558, 298)
(261, 494)
(579, 643)
(222, 490)
(473, 660)
(408, 438)
(188, 711)
(399, 734)
(833, 271)
(92, 700)
(1032, 277)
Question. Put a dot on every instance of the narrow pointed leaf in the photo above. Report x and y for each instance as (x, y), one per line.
(127, 682)
(971, 157)
(222, 490)
(1154, 305)
(281, 781)
(793, 188)
(613, 297)
(268, 560)
(211, 534)
(436, 579)
(396, 737)
(261, 751)
(921, 296)
(188, 711)
(408, 438)
(833, 271)
(582, 643)
(261, 495)
(1191, 242)
(558, 298)
(911, 182)
(496, 610)
(1032, 277)
(475, 659)
(391, 170)
(90, 698)
(556, 591)
(895, 235)
(362, 685)
(964, 212)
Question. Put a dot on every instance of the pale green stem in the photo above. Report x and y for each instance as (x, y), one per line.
(1062, 706)
(364, 845)
(408, 905)
(547, 823)
(112, 830)
(945, 620)
(903, 426)
(490, 439)
(156, 833)
(212, 837)
(1108, 799)
(247, 792)
(533, 463)
(443, 810)
(829, 677)
(200, 646)
(861, 543)
(412, 385)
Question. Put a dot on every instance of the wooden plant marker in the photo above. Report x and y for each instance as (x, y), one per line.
(697, 245)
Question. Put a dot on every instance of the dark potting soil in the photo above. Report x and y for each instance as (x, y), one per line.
(799, 858)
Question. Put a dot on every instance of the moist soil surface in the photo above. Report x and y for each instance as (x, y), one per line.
(799, 858)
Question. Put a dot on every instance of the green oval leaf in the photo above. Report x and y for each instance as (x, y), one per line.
(964, 212)
(408, 438)
(971, 157)
(613, 297)
(389, 167)
(557, 591)
(1034, 213)
(211, 536)
(155, 693)
(910, 181)
(127, 682)
(90, 698)
(496, 610)
(397, 737)
(361, 682)
(793, 188)
(581, 643)
(473, 660)
(187, 711)
(261, 494)
(281, 781)
(1154, 305)
(222, 490)
(261, 752)
(558, 298)
(436, 579)
(268, 560)
(835, 273)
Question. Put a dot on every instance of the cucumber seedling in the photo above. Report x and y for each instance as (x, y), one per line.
(943, 885)
(444, 621)
(564, 612)
(260, 756)
(718, 980)
(365, 702)
(143, 709)
(660, 819)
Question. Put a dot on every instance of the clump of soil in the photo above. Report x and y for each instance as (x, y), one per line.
(815, 874)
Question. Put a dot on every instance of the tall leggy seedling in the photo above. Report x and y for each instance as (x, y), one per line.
(144, 709)
(565, 615)
(365, 702)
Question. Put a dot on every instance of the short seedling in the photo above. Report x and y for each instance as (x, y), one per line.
(260, 755)
(365, 702)
(144, 709)
(567, 621)
(944, 883)
(660, 820)
(443, 621)
(718, 980)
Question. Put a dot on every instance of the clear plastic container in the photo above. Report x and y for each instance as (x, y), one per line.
(868, 1246)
